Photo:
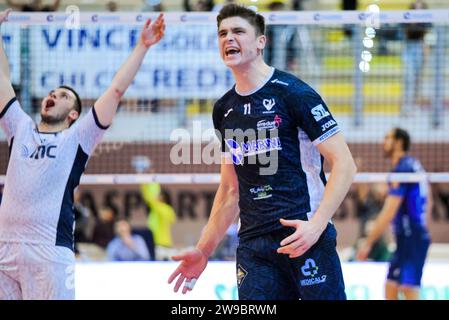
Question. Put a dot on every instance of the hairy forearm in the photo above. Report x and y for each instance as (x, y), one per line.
(224, 212)
(340, 180)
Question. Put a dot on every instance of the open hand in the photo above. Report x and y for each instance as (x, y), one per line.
(363, 251)
(153, 32)
(192, 266)
(4, 15)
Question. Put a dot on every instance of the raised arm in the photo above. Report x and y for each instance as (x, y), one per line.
(6, 90)
(106, 105)
(224, 212)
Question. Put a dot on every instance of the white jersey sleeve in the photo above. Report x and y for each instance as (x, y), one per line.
(11, 118)
(89, 131)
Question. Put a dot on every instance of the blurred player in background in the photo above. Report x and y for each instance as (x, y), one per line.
(406, 206)
(287, 241)
(45, 165)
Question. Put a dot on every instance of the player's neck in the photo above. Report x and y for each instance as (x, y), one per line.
(397, 156)
(47, 127)
(248, 78)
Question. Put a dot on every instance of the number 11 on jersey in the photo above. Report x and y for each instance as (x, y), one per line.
(247, 108)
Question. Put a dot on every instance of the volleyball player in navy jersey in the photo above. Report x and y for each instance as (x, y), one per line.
(274, 131)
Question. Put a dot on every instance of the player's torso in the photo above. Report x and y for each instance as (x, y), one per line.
(410, 218)
(37, 176)
(270, 154)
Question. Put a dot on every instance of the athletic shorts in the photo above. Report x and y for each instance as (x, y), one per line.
(264, 274)
(407, 263)
(37, 272)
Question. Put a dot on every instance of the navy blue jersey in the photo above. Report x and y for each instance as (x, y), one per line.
(271, 135)
(410, 218)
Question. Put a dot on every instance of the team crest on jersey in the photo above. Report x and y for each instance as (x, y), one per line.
(268, 104)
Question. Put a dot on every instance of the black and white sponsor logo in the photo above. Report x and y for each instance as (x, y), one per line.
(328, 124)
(228, 112)
(279, 82)
(326, 135)
(319, 112)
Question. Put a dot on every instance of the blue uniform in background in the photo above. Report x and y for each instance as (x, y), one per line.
(409, 225)
(271, 136)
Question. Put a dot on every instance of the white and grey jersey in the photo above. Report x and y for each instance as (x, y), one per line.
(43, 171)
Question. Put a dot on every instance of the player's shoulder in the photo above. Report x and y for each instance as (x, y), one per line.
(409, 164)
(225, 99)
(291, 84)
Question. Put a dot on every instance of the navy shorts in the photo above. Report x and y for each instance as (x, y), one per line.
(407, 263)
(264, 274)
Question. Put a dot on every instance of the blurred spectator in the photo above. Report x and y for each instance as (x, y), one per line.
(112, 6)
(82, 218)
(380, 251)
(204, 5)
(161, 215)
(298, 5)
(368, 200)
(413, 60)
(218, 6)
(35, 5)
(281, 48)
(104, 227)
(227, 248)
(126, 246)
(148, 237)
(198, 5)
(153, 5)
(349, 5)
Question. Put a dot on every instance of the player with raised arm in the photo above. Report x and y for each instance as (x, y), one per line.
(45, 165)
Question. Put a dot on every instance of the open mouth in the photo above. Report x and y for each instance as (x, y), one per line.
(229, 52)
(49, 104)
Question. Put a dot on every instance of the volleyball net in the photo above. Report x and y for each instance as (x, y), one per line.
(375, 70)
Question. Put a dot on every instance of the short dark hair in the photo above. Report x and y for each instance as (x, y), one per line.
(236, 10)
(402, 135)
(78, 105)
